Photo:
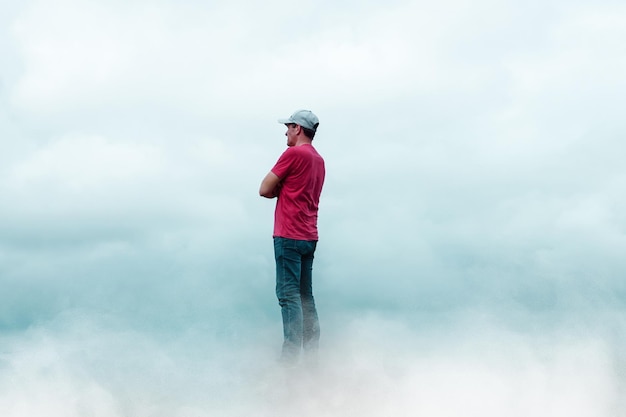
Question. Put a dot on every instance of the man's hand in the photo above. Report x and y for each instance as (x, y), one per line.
(270, 186)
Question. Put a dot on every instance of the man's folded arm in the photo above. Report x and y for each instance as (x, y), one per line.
(269, 186)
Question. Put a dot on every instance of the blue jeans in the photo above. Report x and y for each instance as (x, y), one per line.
(294, 289)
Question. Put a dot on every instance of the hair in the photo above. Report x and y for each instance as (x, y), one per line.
(309, 133)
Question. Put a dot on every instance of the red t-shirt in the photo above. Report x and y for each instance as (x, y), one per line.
(301, 172)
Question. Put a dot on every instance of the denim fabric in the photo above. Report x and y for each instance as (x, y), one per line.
(294, 289)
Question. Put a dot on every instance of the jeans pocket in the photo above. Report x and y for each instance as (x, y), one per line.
(306, 247)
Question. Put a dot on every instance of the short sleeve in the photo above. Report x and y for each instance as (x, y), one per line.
(283, 165)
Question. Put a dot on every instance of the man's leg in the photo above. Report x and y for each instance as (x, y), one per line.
(288, 268)
(311, 327)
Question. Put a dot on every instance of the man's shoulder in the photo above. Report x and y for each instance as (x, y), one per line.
(300, 153)
(287, 153)
(295, 151)
(306, 150)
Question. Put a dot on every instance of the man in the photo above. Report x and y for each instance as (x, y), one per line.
(297, 180)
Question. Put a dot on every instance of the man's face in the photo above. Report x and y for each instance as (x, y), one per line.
(291, 133)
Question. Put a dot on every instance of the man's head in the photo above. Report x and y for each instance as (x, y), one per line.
(305, 119)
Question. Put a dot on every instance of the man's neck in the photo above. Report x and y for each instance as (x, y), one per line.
(303, 141)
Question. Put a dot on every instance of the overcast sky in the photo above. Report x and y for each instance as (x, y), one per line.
(472, 224)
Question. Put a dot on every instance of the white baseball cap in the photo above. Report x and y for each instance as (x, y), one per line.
(304, 118)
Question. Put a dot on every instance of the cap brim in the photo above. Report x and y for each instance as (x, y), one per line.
(284, 121)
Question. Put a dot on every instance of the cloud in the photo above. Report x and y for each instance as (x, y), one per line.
(81, 55)
(82, 163)
(78, 367)
(473, 150)
(474, 167)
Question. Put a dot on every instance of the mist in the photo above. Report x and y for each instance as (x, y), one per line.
(370, 366)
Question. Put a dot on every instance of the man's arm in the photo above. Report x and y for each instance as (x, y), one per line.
(269, 186)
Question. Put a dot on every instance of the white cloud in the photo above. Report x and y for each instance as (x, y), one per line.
(84, 163)
(79, 367)
(88, 54)
(86, 187)
(474, 163)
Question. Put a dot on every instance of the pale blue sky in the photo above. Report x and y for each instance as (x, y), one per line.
(474, 199)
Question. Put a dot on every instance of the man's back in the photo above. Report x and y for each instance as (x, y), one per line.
(302, 172)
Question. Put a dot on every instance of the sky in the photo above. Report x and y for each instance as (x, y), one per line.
(472, 224)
